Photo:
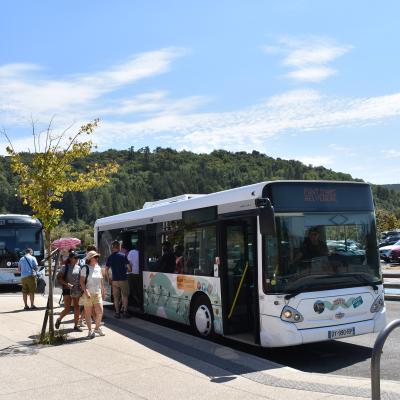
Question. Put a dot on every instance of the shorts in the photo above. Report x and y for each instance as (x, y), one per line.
(95, 298)
(120, 289)
(28, 284)
(66, 292)
(76, 294)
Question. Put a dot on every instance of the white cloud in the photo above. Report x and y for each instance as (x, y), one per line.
(157, 118)
(391, 153)
(308, 57)
(22, 93)
(312, 51)
(295, 111)
(312, 74)
(152, 102)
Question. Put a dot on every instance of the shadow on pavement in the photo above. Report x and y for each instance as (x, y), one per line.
(18, 350)
(22, 310)
(323, 357)
(198, 356)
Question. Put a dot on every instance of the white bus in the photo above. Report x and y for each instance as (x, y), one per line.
(275, 263)
(18, 232)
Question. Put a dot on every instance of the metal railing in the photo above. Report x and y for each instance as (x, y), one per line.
(376, 358)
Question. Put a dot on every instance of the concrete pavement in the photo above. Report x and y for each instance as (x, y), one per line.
(141, 360)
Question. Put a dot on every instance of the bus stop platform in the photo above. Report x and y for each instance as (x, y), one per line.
(138, 359)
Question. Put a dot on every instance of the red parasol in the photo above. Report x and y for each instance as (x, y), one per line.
(65, 243)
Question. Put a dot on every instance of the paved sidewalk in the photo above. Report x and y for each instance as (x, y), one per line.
(141, 360)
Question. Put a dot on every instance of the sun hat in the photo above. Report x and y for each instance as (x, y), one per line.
(91, 254)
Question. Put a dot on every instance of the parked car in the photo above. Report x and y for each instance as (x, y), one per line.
(394, 255)
(384, 252)
(385, 234)
(389, 237)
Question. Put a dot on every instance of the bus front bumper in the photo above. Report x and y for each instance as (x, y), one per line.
(278, 333)
(7, 278)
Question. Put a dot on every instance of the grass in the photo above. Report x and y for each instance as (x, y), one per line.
(60, 337)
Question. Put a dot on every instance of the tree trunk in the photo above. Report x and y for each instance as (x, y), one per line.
(50, 307)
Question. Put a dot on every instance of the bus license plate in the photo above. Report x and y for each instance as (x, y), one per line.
(339, 333)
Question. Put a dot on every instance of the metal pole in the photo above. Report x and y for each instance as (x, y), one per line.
(376, 358)
(238, 290)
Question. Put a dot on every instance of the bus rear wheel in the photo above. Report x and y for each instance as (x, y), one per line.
(202, 318)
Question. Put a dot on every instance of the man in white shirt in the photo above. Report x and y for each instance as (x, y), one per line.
(28, 266)
(134, 277)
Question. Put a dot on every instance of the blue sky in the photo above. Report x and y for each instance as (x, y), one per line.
(315, 81)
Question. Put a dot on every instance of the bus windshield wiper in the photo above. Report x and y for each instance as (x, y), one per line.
(363, 279)
(300, 289)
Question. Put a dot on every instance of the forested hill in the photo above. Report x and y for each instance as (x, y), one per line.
(146, 175)
(395, 187)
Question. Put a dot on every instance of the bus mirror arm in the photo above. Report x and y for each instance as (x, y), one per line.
(267, 216)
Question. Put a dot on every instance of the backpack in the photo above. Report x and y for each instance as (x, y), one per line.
(40, 285)
(58, 283)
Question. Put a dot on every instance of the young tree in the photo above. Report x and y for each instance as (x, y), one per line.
(47, 174)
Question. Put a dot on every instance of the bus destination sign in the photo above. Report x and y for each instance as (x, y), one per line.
(318, 195)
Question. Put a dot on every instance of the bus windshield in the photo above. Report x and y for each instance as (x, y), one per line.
(16, 239)
(321, 251)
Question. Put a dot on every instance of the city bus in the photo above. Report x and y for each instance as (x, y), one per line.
(244, 262)
(18, 232)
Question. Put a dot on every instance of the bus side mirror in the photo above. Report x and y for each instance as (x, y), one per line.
(267, 216)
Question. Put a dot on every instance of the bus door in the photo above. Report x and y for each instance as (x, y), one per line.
(239, 277)
(135, 240)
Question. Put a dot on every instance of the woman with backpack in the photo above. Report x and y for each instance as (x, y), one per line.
(93, 292)
(69, 278)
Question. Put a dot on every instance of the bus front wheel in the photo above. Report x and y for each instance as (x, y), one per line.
(201, 317)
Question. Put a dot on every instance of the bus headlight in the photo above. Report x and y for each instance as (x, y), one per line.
(9, 264)
(377, 305)
(290, 314)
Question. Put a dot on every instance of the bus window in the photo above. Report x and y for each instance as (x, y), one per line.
(171, 234)
(200, 251)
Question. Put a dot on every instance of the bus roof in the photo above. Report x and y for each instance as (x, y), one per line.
(18, 219)
(169, 209)
(175, 208)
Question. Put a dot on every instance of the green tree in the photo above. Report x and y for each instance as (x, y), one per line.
(45, 176)
(386, 221)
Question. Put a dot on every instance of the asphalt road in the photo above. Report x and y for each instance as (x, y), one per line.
(350, 356)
